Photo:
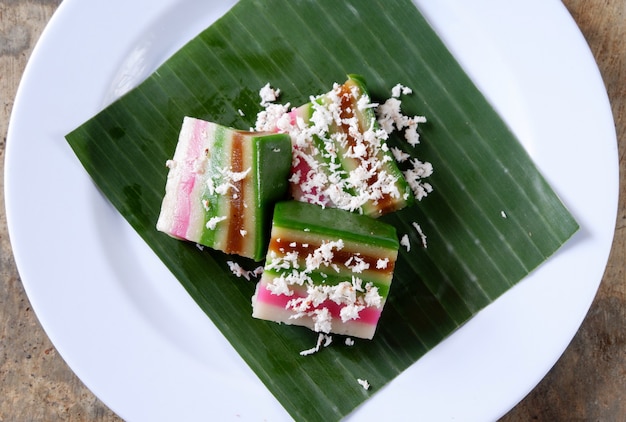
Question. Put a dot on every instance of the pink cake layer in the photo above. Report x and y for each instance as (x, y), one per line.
(273, 307)
(179, 216)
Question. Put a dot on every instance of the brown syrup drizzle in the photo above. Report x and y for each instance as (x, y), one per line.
(235, 241)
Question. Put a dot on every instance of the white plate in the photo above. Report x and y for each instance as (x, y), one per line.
(136, 339)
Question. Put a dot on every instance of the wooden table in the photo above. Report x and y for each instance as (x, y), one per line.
(587, 383)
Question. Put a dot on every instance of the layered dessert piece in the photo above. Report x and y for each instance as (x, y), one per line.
(341, 158)
(326, 269)
(222, 185)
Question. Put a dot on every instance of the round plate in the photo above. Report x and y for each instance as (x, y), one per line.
(140, 343)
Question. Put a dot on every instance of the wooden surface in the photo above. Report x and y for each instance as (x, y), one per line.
(587, 383)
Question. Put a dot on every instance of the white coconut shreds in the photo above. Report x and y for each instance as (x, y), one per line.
(391, 118)
(419, 230)
(352, 295)
(268, 94)
(356, 264)
(214, 221)
(399, 90)
(382, 263)
(272, 117)
(323, 340)
(363, 383)
(326, 183)
(239, 271)
(400, 155)
(223, 181)
(404, 241)
(415, 178)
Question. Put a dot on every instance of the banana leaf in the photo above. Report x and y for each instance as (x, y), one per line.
(491, 219)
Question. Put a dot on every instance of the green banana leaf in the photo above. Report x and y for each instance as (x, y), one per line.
(490, 220)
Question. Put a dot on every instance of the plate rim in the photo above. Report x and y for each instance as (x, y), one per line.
(47, 38)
